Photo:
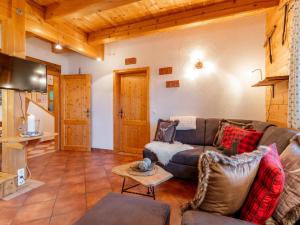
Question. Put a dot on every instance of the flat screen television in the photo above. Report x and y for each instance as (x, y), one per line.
(22, 75)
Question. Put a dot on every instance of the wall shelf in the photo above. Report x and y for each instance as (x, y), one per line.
(271, 81)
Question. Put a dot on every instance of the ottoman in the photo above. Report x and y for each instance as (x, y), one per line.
(117, 209)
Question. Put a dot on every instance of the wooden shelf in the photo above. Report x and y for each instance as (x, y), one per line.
(270, 81)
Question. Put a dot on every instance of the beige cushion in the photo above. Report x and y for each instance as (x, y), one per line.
(224, 182)
(288, 209)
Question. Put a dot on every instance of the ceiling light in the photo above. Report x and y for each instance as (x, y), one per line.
(58, 46)
(99, 59)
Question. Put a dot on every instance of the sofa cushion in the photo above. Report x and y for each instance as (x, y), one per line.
(188, 157)
(166, 130)
(116, 209)
(221, 178)
(212, 148)
(192, 137)
(280, 136)
(289, 203)
(211, 130)
(203, 218)
(261, 126)
(244, 140)
(266, 189)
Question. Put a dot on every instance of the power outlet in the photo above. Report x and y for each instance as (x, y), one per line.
(21, 176)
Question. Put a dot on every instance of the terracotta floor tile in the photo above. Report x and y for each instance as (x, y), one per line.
(41, 196)
(16, 202)
(45, 221)
(93, 197)
(103, 183)
(34, 211)
(71, 189)
(69, 204)
(67, 219)
(7, 215)
(73, 179)
(95, 176)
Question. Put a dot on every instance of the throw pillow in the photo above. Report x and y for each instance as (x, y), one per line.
(222, 124)
(166, 130)
(288, 209)
(224, 182)
(241, 139)
(266, 189)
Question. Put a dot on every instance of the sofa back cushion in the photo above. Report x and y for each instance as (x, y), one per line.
(280, 136)
(192, 137)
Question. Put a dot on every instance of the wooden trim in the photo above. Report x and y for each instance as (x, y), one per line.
(178, 20)
(116, 101)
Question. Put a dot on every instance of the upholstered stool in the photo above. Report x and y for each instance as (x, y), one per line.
(117, 209)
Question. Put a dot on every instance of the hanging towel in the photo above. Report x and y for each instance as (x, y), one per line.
(185, 122)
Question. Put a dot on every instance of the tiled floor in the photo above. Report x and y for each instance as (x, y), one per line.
(74, 183)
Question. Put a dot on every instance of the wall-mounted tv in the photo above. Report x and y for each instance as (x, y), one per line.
(23, 75)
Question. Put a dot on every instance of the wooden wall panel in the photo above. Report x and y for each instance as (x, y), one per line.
(277, 107)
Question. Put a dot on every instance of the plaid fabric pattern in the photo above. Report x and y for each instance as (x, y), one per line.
(246, 140)
(266, 189)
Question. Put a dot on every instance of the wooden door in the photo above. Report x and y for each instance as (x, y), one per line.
(132, 128)
(75, 112)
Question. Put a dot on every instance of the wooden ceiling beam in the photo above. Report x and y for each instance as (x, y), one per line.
(80, 8)
(179, 20)
(66, 35)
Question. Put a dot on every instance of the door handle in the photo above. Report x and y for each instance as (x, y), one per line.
(121, 113)
(87, 112)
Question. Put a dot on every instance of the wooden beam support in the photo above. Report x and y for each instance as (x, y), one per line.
(179, 20)
(80, 8)
(67, 35)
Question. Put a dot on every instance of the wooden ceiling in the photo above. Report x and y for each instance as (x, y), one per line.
(105, 21)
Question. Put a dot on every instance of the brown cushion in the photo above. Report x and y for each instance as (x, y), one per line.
(223, 124)
(166, 130)
(224, 182)
(289, 202)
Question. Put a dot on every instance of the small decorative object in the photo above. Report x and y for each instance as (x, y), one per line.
(172, 84)
(31, 127)
(130, 61)
(142, 168)
(199, 65)
(165, 71)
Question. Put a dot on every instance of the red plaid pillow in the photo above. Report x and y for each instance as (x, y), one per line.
(246, 140)
(266, 189)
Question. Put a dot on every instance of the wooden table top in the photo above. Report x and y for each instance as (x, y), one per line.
(18, 139)
(148, 181)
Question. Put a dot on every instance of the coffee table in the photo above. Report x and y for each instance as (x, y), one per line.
(149, 182)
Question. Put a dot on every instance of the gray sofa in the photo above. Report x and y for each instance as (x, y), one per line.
(184, 164)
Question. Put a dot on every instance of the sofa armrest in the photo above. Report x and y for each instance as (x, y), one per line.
(203, 218)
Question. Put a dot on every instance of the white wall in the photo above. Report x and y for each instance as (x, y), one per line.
(230, 51)
(39, 49)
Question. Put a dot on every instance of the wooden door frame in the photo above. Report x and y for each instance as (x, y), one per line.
(116, 101)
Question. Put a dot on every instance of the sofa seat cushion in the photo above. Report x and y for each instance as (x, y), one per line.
(212, 148)
(116, 209)
(203, 218)
(188, 157)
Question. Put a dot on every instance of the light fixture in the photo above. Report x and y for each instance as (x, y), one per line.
(99, 59)
(199, 65)
(58, 46)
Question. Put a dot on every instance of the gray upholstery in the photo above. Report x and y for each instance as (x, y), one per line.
(188, 157)
(280, 136)
(211, 129)
(193, 137)
(117, 209)
(203, 218)
(184, 164)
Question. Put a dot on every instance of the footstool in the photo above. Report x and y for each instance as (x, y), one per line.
(117, 209)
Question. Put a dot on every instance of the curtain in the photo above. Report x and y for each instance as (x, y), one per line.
(294, 79)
